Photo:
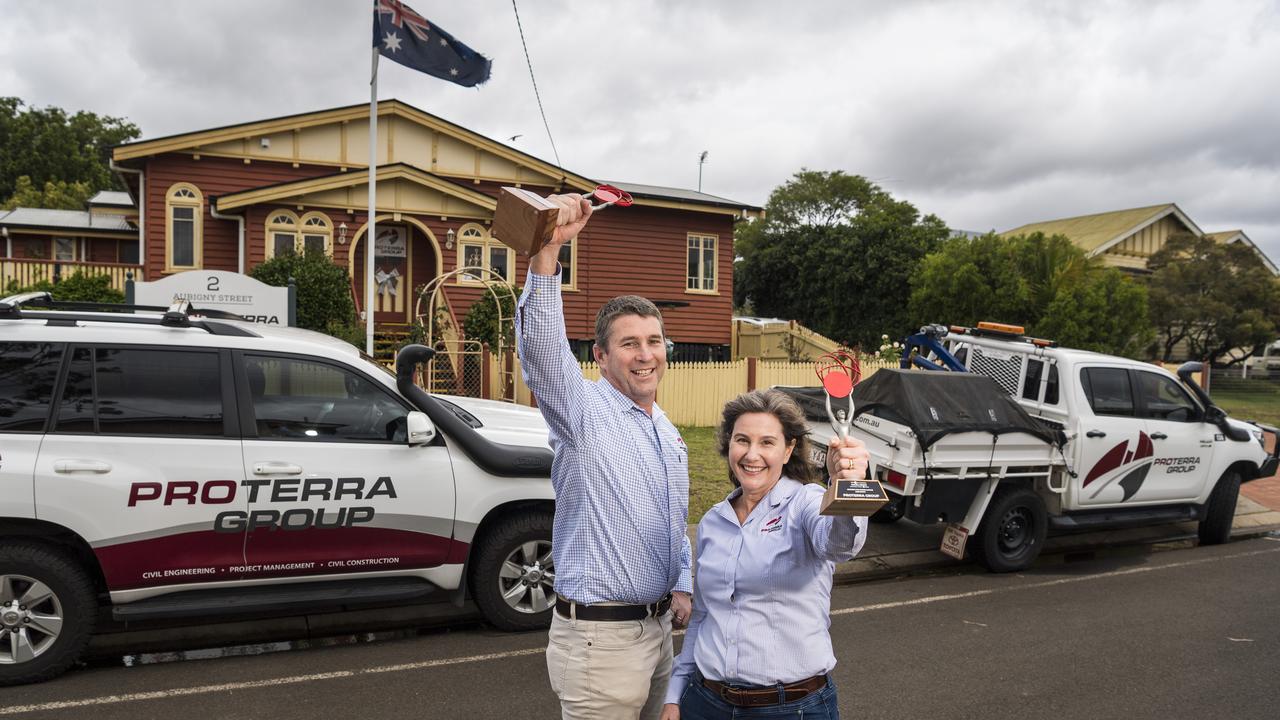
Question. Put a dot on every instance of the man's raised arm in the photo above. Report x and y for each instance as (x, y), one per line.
(549, 368)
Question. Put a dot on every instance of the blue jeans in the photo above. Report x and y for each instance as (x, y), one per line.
(699, 703)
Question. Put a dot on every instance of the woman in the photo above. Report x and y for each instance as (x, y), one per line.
(758, 643)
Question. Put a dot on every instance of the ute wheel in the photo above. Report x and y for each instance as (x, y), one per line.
(47, 612)
(1220, 510)
(513, 575)
(892, 512)
(1012, 531)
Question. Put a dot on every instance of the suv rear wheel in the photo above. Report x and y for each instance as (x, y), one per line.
(1012, 531)
(513, 575)
(47, 612)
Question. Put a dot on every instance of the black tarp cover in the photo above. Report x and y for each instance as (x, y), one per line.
(933, 404)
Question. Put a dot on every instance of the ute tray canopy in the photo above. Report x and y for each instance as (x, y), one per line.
(934, 405)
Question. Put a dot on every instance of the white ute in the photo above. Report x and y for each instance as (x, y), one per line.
(171, 464)
(1105, 442)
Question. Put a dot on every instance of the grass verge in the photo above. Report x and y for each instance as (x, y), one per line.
(708, 473)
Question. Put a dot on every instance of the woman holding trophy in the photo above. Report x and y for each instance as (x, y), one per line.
(759, 643)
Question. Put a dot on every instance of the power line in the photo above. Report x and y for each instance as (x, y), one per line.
(535, 85)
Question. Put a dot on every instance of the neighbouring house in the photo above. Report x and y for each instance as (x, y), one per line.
(1127, 238)
(228, 198)
(42, 244)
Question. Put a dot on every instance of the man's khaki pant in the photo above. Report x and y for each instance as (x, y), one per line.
(610, 670)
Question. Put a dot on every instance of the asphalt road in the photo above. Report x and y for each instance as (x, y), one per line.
(1187, 633)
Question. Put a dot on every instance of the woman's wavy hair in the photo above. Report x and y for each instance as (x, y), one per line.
(794, 428)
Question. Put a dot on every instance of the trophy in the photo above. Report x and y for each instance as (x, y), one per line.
(839, 372)
(525, 220)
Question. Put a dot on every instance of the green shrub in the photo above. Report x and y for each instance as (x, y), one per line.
(79, 287)
(481, 322)
(324, 289)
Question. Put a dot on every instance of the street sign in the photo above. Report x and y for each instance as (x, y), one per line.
(218, 290)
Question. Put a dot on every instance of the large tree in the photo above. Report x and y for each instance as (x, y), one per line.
(51, 145)
(1220, 299)
(1044, 283)
(834, 252)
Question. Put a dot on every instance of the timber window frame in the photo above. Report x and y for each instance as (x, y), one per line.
(702, 253)
(477, 248)
(183, 215)
(284, 228)
(568, 260)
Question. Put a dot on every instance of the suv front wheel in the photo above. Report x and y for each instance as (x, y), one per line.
(47, 612)
(513, 575)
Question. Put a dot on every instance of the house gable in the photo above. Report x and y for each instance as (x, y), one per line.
(1122, 238)
(401, 188)
(339, 138)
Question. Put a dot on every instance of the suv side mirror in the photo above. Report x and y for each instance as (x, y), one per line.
(420, 429)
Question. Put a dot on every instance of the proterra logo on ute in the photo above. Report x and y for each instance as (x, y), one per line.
(1129, 467)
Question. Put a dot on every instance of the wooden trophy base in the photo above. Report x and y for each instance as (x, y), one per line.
(853, 497)
(524, 220)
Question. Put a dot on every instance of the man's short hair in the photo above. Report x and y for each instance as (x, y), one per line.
(619, 306)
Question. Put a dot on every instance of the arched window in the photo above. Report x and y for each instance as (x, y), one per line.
(282, 233)
(286, 233)
(317, 234)
(476, 249)
(184, 222)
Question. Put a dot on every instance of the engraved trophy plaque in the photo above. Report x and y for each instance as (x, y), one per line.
(526, 221)
(839, 372)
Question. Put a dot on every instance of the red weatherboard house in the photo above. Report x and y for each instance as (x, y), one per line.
(229, 198)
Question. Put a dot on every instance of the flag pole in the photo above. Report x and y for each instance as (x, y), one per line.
(373, 192)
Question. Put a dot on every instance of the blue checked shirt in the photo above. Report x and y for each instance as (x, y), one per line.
(621, 476)
(762, 603)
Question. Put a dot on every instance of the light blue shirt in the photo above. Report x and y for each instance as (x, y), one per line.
(762, 600)
(621, 475)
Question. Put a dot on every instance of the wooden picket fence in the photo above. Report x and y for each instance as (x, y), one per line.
(695, 393)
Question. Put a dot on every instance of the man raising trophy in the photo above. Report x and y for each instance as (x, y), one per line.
(621, 478)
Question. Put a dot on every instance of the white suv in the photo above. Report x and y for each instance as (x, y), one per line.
(185, 464)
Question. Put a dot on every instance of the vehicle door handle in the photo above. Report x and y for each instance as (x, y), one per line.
(77, 465)
(1159, 436)
(276, 468)
(1095, 433)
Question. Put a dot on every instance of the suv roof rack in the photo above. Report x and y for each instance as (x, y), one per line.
(179, 314)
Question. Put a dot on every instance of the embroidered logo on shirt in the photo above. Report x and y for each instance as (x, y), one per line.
(680, 443)
(773, 525)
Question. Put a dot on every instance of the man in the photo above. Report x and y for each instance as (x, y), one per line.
(621, 476)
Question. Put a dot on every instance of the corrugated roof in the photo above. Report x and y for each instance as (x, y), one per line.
(66, 219)
(1090, 232)
(111, 197)
(1230, 236)
(658, 191)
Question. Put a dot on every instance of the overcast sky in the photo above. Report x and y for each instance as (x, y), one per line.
(988, 114)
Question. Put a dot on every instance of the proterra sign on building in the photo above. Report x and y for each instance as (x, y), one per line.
(219, 290)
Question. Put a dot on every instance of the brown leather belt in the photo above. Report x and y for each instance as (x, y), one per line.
(612, 613)
(758, 697)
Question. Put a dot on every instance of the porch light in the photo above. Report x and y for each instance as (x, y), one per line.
(448, 239)
(342, 233)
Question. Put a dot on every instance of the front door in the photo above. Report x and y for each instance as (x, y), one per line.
(1183, 443)
(391, 277)
(334, 486)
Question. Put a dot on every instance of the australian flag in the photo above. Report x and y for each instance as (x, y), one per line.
(405, 36)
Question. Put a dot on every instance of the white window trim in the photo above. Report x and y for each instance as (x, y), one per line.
(715, 265)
